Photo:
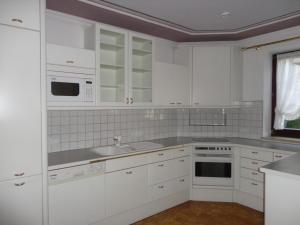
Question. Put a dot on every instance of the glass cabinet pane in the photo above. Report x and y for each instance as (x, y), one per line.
(141, 74)
(112, 66)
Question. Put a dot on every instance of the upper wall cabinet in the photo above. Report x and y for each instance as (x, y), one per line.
(171, 84)
(141, 68)
(112, 62)
(20, 13)
(213, 76)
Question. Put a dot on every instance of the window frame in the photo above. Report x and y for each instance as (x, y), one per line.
(286, 132)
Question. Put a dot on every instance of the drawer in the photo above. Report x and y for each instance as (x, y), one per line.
(20, 13)
(252, 174)
(278, 156)
(162, 189)
(162, 171)
(126, 162)
(67, 56)
(257, 154)
(160, 156)
(252, 187)
(182, 166)
(182, 183)
(180, 152)
(252, 163)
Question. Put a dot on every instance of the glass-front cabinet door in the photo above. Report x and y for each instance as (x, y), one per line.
(141, 64)
(112, 83)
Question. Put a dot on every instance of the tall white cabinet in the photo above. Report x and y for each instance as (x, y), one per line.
(20, 114)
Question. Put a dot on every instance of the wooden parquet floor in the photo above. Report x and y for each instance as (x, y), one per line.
(206, 213)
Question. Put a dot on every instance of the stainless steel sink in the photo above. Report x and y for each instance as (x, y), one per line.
(112, 150)
(144, 146)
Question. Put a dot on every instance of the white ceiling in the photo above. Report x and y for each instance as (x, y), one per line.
(204, 15)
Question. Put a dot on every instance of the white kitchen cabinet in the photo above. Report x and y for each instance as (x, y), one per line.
(20, 99)
(20, 13)
(211, 76)
(77, 202)
(252, 187)
(162, 171)
(182, 166)
(21, 201)
(126, 189)
(141, 68)
(171, 84)
(163, 189)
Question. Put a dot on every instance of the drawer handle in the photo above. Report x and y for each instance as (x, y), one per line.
(161, 186)
(19, 184)
(181, 160)
(181, 180)
(129, 172)
(254, 173)
(172, 103)
(161, 154)
(254, 152)
(19, 174)
(127, 100)
(17, 20)
(278, 156)
(161, 165)
(181, 150)
(254, 184)
(70, 61)
(254, 163)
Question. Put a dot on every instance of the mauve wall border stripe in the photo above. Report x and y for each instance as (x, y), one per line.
(90, 12)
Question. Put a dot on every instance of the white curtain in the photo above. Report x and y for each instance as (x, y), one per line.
(288, 91)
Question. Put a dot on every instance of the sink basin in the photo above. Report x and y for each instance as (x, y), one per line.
(146, 145)
(112, 150)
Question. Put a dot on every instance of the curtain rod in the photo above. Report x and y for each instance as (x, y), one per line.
(270, 43)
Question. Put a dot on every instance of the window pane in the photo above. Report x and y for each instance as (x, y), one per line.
(294, 124)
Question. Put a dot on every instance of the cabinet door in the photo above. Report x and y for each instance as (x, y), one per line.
(183, 166)
(141, 69)
(20, 110)
(170, 84)
(162, 171)
(20, 13)
(126, 189)
(21, 201)
(211, 76)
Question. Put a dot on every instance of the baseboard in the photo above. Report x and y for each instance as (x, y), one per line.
(249, 200)
(146, 210)
(211, 194)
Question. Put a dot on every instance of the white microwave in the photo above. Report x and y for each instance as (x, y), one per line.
(70, 89)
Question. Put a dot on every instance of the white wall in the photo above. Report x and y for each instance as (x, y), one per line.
(257, 68)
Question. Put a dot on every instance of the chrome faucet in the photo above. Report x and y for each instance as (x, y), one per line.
(117, 140)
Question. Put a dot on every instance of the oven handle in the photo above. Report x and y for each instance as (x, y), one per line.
(212, 159)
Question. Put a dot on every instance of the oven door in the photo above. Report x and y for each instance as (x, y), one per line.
(213, 170)
(65, 89)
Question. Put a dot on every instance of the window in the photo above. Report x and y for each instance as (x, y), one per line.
(286, 95)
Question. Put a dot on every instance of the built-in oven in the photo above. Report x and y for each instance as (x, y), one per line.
(70, 89)
(213, 166)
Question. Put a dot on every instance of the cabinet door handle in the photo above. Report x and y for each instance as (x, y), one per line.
(160, 154)
(129, 172)
(254, 184)
(254, 163)
(161, 186)
(254, 153)
(254, 173)
(178, 103)
(278, 156)
(172, 103)
(127, 100)
(181, 160)
(181, 180)
(19, 184)
(196, 103)
(161, 165)
(17, 20)
(19, 174)
(70, 61)
(181, 150)
(131, 100)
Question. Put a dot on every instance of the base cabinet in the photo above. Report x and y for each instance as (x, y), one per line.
(21, 201)
(126, 189)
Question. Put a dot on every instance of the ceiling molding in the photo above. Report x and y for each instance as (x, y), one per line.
(113, 15)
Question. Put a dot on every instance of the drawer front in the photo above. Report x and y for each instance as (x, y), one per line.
(162, 189)
(252, 163)
(162, 171)
(126, 162)
(252, 174)
(257, 154)
(182, 183)
(180, 152)
(66, 56)
(20, 13)
(160, 156)
(182, 166)
(252, 187)
(278, 156)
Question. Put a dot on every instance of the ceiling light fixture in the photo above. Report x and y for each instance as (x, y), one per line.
(225, 14)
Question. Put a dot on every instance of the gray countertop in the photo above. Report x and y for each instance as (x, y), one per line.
(73, 156)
